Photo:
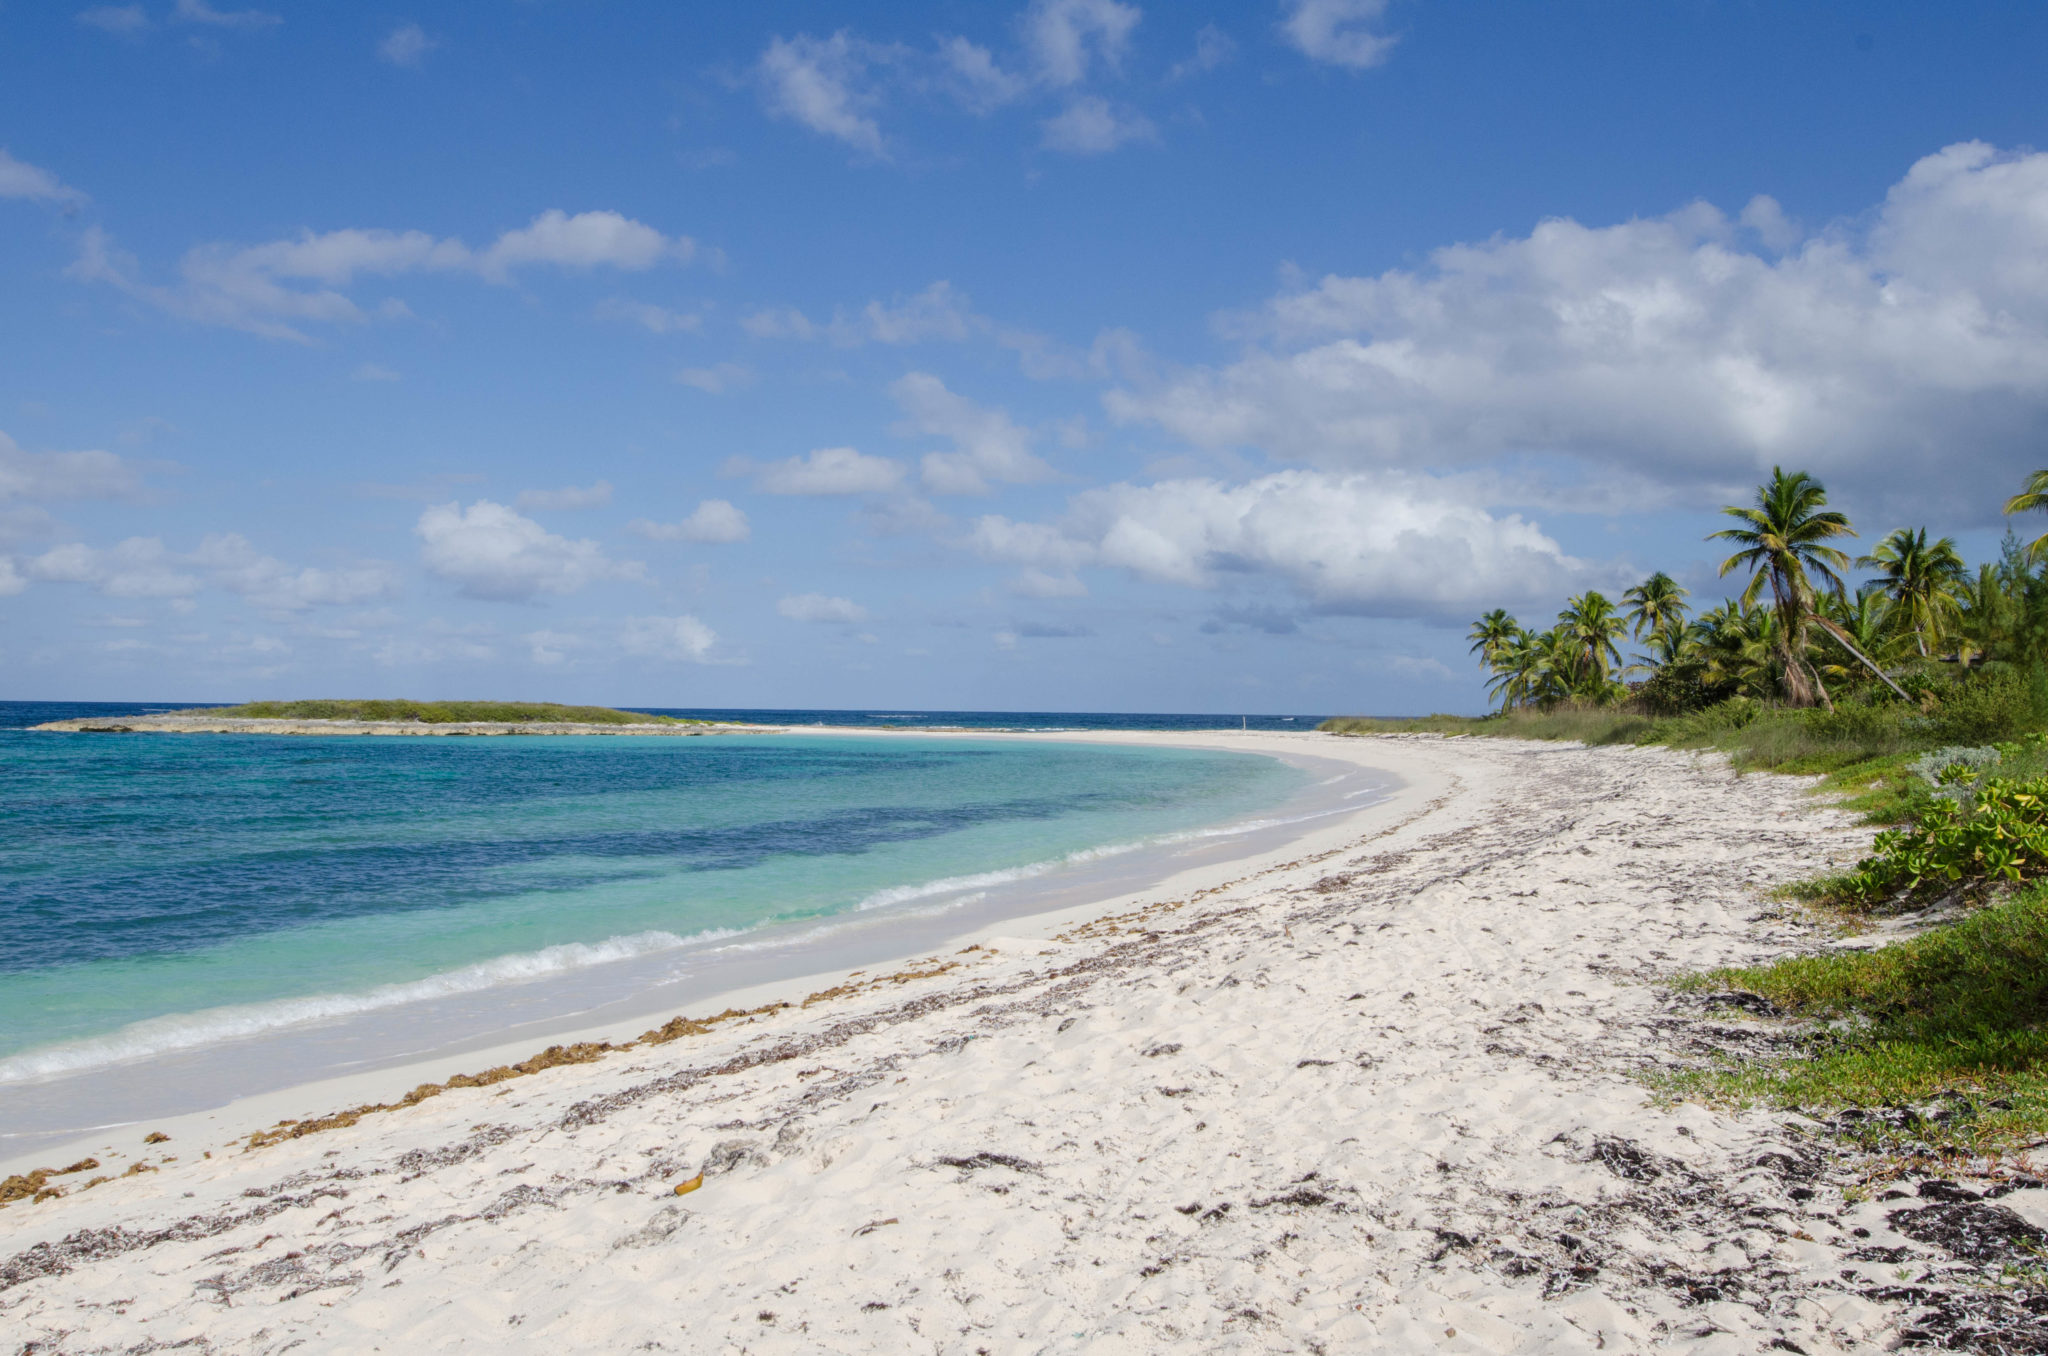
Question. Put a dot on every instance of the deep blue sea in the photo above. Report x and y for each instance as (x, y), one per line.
(167, 896)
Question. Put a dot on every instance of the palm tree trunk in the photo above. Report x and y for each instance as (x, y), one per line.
(1843, 637)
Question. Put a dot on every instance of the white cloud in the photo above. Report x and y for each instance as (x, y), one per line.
(407, 45)
(1338, 32)
(718, 378)
(139, 567)
(676, 639)
(373, 372)
(568, 497)
(586, 240)
(822, 84)
(1064, 35)
(1090, 126)
(714, 521)
(819, 607)
(11, 582)
(987, 445)
(200, 12)
(19, 179)
(63, 475)
(268, 289)
(654, 319)
(1671, 347)
(828, 470)
(1383, 544)
(238, 567)
(499, 555)
(971, 75)
(123, 21)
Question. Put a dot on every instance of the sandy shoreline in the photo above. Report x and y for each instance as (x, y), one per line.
(1376, 1093)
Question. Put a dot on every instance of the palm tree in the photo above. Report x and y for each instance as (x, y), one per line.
(1591, 626)
(1868, 617)
(1987, 612)
(1783, 541)
(1493, 634)
(1920, 578)
(1655, 604)
(2034, 496)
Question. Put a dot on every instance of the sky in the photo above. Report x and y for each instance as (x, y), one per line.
(1064, 355)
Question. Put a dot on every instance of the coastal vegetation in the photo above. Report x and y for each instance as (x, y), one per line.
(439, 713)
(1922, 689)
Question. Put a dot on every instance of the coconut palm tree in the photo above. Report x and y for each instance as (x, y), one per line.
(1591, 625)
(2034, 496)
(1783, 539)
(1921, 578)
(1869, 618)
(1493, 634)
(1655, 605)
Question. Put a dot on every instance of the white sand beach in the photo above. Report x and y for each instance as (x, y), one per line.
(1376, 1095)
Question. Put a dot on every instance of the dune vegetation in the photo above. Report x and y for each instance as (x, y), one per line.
(1922, 691)
(441, 713)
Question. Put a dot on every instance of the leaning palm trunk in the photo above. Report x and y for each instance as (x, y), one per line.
(1842, 637)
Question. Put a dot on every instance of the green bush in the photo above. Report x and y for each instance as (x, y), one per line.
(2000, 836)
(1983, 710)
(1679, 689)
(1856, 723)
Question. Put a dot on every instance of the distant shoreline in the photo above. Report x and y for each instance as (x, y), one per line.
(203, 724)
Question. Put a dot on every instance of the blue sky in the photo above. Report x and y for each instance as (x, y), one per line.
(1078, 354)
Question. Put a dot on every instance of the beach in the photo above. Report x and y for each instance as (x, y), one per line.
(1380, 1089)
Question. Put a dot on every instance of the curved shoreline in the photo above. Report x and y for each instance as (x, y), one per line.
(612, 1001)
(1379, 1092)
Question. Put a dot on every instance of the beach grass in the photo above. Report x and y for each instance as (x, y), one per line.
(440, 713)
(1946, 1027)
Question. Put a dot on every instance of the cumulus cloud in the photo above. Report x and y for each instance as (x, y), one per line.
(568, 497)
(407, 45)
(715, 521)
(11, 581)
(270, 289)
(987, 445)
(1338, 32)
(497, 554)
(1684, 347)
(1065, 36)
(837, 86)
(238, 567)
(828, 470)
(47, 476)
(674, 639)
(822, 84)
(200, 12)
(819, 607)
(19, 179)
(123, 21)
(1375, 544)
(1090, 126)
(139, 567)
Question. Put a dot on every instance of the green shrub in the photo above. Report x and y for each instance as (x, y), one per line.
(2000, 836)
(1856, 723)
(1983, 710)
(1679, 689)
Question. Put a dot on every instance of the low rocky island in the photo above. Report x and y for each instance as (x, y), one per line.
(396, 717)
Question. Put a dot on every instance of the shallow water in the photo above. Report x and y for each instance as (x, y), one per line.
(218, 914)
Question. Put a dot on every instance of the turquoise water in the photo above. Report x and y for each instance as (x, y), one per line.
(163, 894)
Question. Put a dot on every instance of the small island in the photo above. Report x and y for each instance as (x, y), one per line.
(395, 717)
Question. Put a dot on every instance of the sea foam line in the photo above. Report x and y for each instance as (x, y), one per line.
(189, 1030)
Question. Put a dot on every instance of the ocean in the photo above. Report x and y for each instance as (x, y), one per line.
(217, 915)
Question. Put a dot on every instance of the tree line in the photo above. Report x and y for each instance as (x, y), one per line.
(1799, 633)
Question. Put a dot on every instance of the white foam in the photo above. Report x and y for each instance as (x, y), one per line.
(211, 1026)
